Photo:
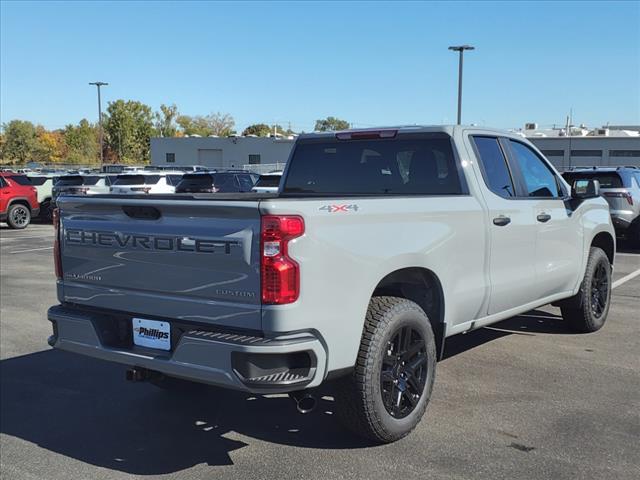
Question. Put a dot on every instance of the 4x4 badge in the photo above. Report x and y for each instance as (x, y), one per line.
(340, 208)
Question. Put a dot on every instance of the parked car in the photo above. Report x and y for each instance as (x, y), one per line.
(44, 187)
(18, 200)
(268, 183)
(620, 187)
(217, 182)
(81, 185)
(355, 277)
(144, 182)
(181, 168)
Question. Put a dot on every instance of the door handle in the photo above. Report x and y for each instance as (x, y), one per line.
(544, 217)
(501, 221)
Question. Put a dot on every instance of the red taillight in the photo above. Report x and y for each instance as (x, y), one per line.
(626, 195)
(57, 258)
(280, 274)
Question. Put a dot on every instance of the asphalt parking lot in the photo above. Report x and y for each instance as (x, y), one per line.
(522, 399)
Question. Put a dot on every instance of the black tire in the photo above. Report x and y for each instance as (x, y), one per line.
(46, 212)
(362, 399)
(18, 216)
(593, 300)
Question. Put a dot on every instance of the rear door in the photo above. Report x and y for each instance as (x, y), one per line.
(512, 231)
(194, 260)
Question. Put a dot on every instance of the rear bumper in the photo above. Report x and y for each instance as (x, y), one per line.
(231, 360)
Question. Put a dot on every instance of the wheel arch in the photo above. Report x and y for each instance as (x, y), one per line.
(19, 200)
(606, 242)
(422, 286)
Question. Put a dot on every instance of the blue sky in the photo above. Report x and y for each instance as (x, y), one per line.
(369, 63)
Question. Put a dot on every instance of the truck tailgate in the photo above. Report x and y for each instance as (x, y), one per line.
(193, 260)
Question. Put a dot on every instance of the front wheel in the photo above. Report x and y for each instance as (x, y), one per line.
(18, 216)
(594, 296)
(388, 392)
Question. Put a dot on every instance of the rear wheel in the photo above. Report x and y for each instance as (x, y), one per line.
(18, 216)
(594, 297)
(387, 394)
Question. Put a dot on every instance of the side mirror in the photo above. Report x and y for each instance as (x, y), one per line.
(585, 188)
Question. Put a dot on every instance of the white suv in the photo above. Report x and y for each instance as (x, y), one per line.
(143, 182)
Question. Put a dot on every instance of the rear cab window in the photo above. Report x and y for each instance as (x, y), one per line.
(410, 164)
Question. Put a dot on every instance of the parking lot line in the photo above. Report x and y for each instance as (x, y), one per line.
(625, 279)
(32, 250)
(627, 254)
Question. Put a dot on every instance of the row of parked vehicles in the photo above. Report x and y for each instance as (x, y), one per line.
(28, 196)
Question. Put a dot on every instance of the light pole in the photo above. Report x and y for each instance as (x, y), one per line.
(100, 84)
(461, 49)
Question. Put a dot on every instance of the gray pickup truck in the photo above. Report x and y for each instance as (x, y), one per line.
(378, 245)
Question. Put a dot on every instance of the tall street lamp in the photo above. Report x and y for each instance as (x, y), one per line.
(461, 49)
(100, 84)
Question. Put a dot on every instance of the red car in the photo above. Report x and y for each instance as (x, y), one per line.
(18, 200)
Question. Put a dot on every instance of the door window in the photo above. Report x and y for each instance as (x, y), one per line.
(539, 180)
(494, 166)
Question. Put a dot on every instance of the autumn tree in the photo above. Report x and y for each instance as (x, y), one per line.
(220, 124)
(331, 124)
(165, 120)
(128, 129)
(82, 142)
(51, 145)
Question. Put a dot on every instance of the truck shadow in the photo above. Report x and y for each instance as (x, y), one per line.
(530, 323)
(83, 408)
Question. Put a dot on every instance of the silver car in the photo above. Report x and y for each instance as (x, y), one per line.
(620, 186)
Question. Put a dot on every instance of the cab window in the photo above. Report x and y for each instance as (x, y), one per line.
(494, 166)
(539, 180)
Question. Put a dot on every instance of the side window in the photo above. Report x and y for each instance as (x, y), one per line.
(637, 175)
(245, 183)
(2, 183)
(539, 180)
(494, 166)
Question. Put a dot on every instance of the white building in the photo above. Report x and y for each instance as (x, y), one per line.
(221, 152)
(607, 146)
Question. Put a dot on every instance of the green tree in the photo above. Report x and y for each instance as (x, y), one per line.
(220, 124)
(128, 129)
(82, 142)
(331, 124)
(20, 142)
(165, 120)
(259, 129)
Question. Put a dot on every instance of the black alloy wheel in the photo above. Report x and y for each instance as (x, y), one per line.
(404, 372)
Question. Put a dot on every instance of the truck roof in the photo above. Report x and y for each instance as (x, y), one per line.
(448, 129)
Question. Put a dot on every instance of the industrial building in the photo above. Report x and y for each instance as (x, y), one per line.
(222, 152)
(565, 148)
(611, 146)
